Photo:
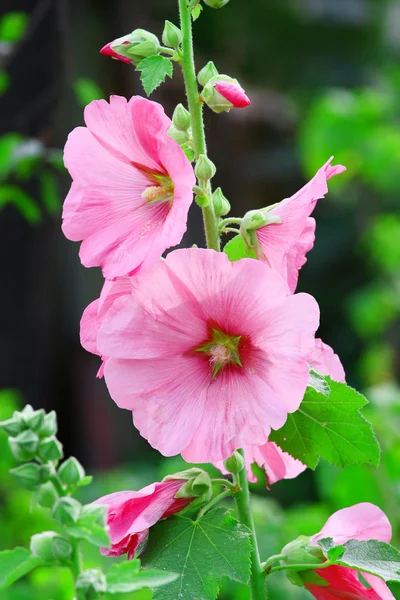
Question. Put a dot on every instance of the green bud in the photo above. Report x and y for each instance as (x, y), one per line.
(50, 449)
(181, 118)
(300, 552)
(90, 584)
(34, 419)
(206, 73)
(12, 426)
(50, 547)
(71, 471)
(141, 44)
(179, 136)
(94, 513)
(254, 219)
(46, 472)
(49, 426)
(27, 475)
(24, 445)
(66, 511)
(202, 200)
(235, 463)
(172, 35)
(188, 150)
(47, 495)
(221, 204)
(216, 3)
(213, 98)
(198, 484)
(205, 168)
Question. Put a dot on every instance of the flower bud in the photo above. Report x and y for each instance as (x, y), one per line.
(216, 3)
(205, 168)
(47, 495)
(66, 511)
(198, 484)
(24, 445)
(300, 552)
(206, 73)
(179, 136)
(172, 35)
(221, 93)
(221, 204)
(33, 419)
(181, 118)
(235, 463)
(90, 584)
(50, 449)
(50, 547)
(49, 426)
(134, 47)
(94, 513)
(71, 471)
(12, 426)
(27, 475)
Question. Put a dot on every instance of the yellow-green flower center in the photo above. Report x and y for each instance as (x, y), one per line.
(222, 349)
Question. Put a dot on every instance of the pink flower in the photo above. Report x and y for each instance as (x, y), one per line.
(131, 514)
(232, 92)
(208, 355)
(363, 521)
(132, 186)
(107, 50)
(285, 245)
(323, 359)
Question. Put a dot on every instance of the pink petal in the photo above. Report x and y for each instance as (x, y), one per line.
(233, 93)
(343, 583)
(323, 359)
(296, 256)
(379, 586)
(108, 51)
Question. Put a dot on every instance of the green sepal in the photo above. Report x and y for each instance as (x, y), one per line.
(24, 445)
(47, 495)
(50, 449)
(28, 475)
(206, 73)
(12, 426)
(71, 472)
(66, 511)
(51, 547)
(49, 426)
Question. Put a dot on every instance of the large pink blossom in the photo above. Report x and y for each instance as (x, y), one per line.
(132, 186)
(131, 514)
(285, 245)
(363, 521)
(208, 355)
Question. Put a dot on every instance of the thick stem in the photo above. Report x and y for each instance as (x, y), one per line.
(242, 498)
(196, 115)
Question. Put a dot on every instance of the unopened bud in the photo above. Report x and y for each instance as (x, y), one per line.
(172, 35)
(134, 47)
(33, 418)
(198, 484)
(94, 513)
(12, 426)
(181, 118)
(49, 425)
(24, 445)
(90, 584)
(216, 3)
(205, 168)
(50, 449)
(66, 511)
(221, 93)
(71, 471)
(235, 463)
(221, 204)
(50, 547)
(179, 136)
(300, 552)
(47, 495)
(206, 73)
(27, 475)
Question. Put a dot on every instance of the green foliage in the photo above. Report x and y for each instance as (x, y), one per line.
(330, 427)
(13, 26)
(201, 552)
(14, 564)
(154, 70)
(126, 577)
(196, 12)
(235, 249)
(86, 90)
(373, 308)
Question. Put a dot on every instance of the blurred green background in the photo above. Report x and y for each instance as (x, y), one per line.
(324, 78)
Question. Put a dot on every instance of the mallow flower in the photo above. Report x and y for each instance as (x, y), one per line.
(208, 355)
(132, 186)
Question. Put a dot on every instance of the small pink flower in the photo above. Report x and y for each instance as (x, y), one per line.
(107, 50)
(207, 354)
(131, 514)
(232, 92)
(132, 186)
(285, 245)
(363, 521)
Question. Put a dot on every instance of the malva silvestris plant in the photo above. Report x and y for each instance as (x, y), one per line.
(212, 351)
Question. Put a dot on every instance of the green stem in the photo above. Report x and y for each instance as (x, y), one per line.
(230, 220)
(257, 581)
(272, 560)
(213, 502)
(196, 114)
(300, 567)
(76, 560)
(226, 483)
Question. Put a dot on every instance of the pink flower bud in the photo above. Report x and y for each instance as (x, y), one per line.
(233, 93)
(108, 51)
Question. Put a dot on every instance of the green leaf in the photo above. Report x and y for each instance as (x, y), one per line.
(235, 249)
(202, 552)
(13, 26)
(319, 383)
(330, 427)
(126, 577)
(10, 194)
(331, 552)
(86, 90)
(14, 564)
(93, 533)
(154, 71)
(196, 11)
(49, 192)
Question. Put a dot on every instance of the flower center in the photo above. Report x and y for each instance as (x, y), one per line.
(222, 349)
(156, 193)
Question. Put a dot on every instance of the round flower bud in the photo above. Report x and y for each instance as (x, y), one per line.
(90, 584)
(50, 547)
(172, 35)
(24, 445)
(206, 73)
(47, 495)
(235, 463)
(179, 136)
(27, 475)
(134, 47)
(205, 168)
(33, 418)
(71, 471)
(221, 93)
(50, 449)
(181, 118)
(66, 511)
(12, 426)
(49, 426)
(216, 3)
(221, 204)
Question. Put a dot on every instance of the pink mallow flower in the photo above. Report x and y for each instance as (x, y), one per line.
(233, 92)
(131, 514)
(284, 244)
(132, 186)
(208, 355)
(363, 521)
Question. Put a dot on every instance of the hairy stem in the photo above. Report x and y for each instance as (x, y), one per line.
(242, 498)
(196, 115)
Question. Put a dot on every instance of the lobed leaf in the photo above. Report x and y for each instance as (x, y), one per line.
(154, 70)
(16, 563)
